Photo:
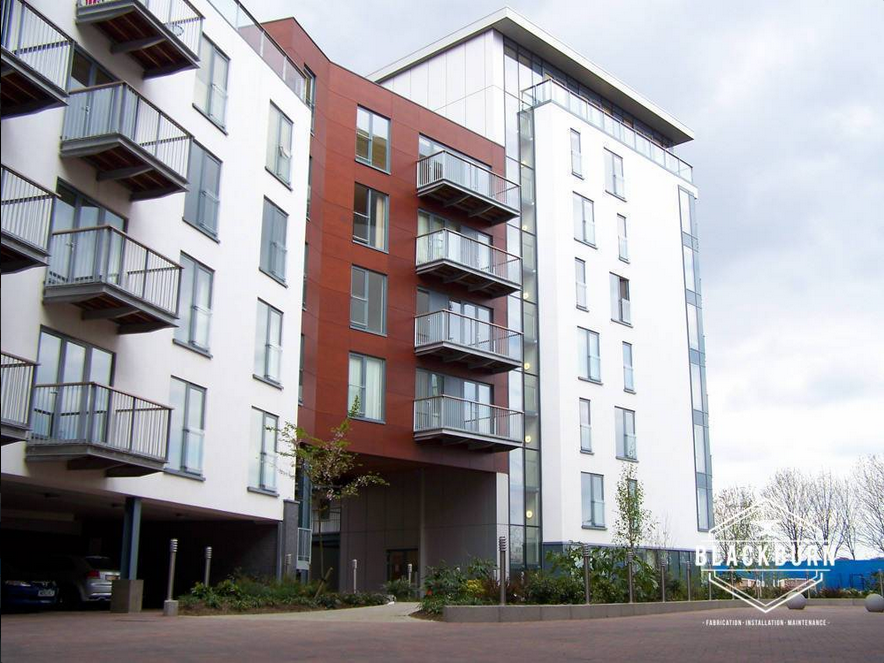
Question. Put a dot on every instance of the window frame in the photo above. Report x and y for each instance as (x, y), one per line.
(621, 434)
(215, 54)
(623, 314)
(586, 337)
(367, 216)
(267, 269)
(267, 344)
(262, 485)
(199, 190)
(580, 283)
(583, 223)
(366, 300)
(278, 119)
(190, 342)
(593, 480)
(368, 161)
(180, 466)
(628, 368)
(622, 238)
(584, 405)
(612, 178)
(578, 154)
(360, 415)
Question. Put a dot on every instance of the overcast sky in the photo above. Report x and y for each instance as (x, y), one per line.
(787, 103)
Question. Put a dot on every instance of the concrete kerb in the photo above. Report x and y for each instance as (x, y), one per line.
(464, 614)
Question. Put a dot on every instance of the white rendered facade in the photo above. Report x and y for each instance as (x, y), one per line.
(146, 363)
(470, 77)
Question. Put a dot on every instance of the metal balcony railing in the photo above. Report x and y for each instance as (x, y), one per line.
(305, 543)
(448, 413)
(468, 333)
(26, 209)
(469, 177)
(35, 41)
(179, 16)
(105, 255)
(15, 393)
(86, 413)
(555, 92)
(449, 245)
(117, 110)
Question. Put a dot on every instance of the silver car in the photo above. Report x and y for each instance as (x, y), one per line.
(82, 580)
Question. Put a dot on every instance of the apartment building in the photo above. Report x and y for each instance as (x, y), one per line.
(154, 193)
(614, 357)
(489, 246)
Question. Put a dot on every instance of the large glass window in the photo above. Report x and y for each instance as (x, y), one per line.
(194, 304)
(693, 327)
(187, 427)
(273, 241)
(576, 154)
(621, 309)
(268, 343)
(690, 278)
(628, 371)
(310, 99)
(686, 211)
(262, 463)
(372, 139)
(624, 430)
(623, 242)
(590, 362)
(370, 217)
(210, 96)
(580, 279)
(368, 300)
(584, 220)
(86, 72)
(592, 494)
(367, 385)
(585, 425)
(201, 200)
(279, 145)
(615, 182)
(74, 210)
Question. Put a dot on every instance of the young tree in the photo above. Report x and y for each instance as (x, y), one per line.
(727, 505)
(848, 508)
(869, 481)
(634, 522)
(824, 512)
(788, 490)
(332, 470)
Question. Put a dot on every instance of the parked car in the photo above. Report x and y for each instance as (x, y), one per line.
(81, 580)
(23, 588)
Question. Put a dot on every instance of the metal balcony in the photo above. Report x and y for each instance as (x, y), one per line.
(25, 216)
(112, 277)
(163, 36)
(127, 139)
(477, 426)
(480, 345)
(462, 185)
(456, 258)
(36, 61)
(17, 376)
(94, 427)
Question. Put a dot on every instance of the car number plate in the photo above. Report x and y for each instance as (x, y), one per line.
(46, 592)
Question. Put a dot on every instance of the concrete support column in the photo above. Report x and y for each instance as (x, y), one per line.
(127, 592)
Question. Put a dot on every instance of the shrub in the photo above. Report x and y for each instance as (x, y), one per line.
(400, 588)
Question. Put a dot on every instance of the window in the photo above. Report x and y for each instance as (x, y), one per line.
(576, 156)
(367, 385)
(588, 355)
(201, 200)
(690, 273)
(262, 465)
(309, 185)
(268, 343)
(698, 397)
(211, 82)
(372, 139)
(187, 427)
(74, 210)
(279, 145)
(585, 425)
(621, 310)
(194, 304)
(304, 278)
(592, 494)
(686, 211)
(368, 300)
(273, 238)
(615, 183)
(370, 217)
(624, 430)
(580, 278)
(301, 373)
(623, 241)
(584, 220)
(310, 96)
(628, 374)
(86, 72)
(693, 327)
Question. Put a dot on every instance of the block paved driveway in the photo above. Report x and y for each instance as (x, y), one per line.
(851, 634)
